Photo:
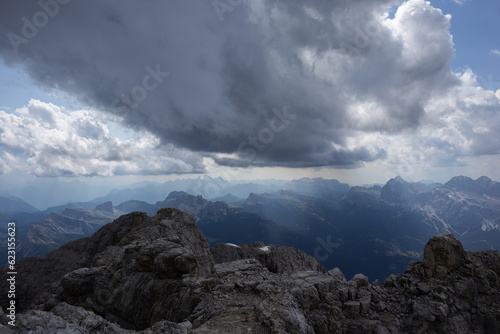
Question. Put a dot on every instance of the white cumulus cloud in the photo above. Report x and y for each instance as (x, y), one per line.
(44, 140)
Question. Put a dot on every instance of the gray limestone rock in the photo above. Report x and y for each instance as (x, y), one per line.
(360, 280)
(337, 274)
(282, 260)
(352, 308)
(157, 274)
(65, 318)
(443, 254)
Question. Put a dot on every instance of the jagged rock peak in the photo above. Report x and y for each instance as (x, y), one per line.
(171, 225)
(443, 254)
(122, 269)
(397, 190)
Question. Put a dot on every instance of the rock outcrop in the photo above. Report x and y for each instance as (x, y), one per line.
(157, 274)
(452, 291)
(443, 254)
(123, 272)
(282, 260)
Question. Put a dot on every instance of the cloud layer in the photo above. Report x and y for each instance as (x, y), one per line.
(351, 84)
(44, 140)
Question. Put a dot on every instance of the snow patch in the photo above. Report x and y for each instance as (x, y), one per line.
(232, 245)
(265, 248)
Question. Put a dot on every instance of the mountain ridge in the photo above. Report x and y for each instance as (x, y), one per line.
(372, 228)
(59, 228)
(13, 204)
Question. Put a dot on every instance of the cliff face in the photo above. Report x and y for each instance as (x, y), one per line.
(157, 274)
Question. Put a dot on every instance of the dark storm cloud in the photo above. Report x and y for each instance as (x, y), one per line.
(206, 85)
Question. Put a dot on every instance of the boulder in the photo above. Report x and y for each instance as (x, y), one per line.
(337, 275)
(443, 254)
(360, 280)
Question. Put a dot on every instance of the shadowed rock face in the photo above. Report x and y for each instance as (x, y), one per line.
(123, 271)
(157, 274)
(282, 260)
(442, 254)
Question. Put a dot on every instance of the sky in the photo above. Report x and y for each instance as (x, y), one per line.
(361, 91)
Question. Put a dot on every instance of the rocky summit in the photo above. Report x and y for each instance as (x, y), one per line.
(142, 274)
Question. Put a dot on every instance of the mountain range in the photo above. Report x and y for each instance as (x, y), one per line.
(59, 228)
(376, 228)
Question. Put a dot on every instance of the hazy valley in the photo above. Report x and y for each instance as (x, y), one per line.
(376, 230)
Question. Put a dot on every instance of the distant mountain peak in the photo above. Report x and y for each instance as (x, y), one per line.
(398, 190)
(398, 179)
(311, 179)
(175, 194)
(318, 187)
(15, 204)
(458, 181)
(484, 179)
(228, 198)
(106, 207)
(482, 185)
